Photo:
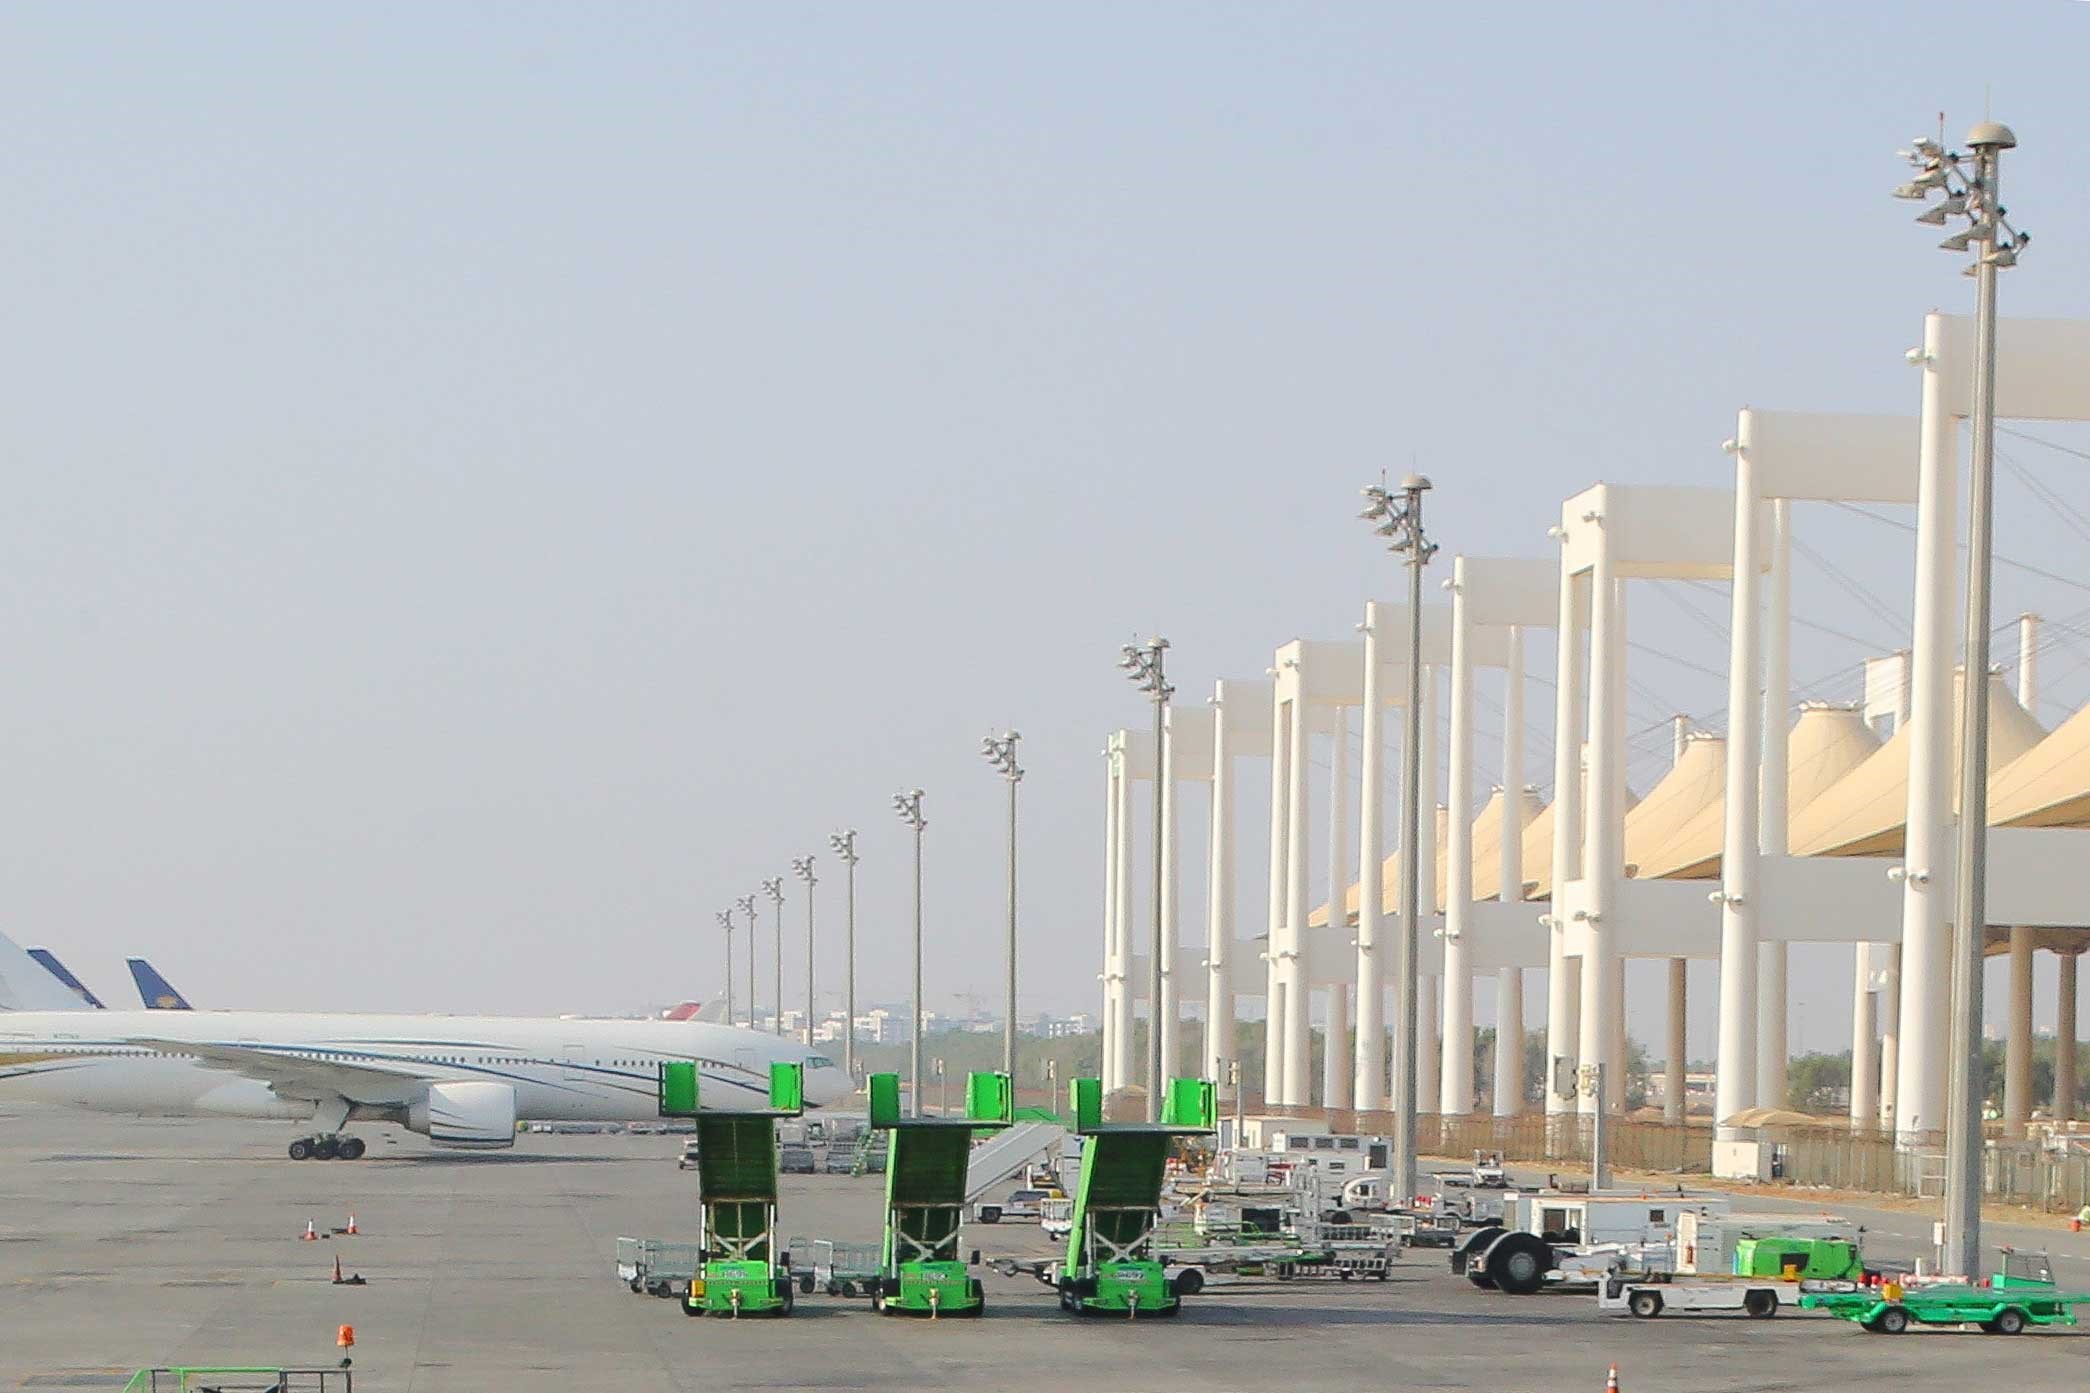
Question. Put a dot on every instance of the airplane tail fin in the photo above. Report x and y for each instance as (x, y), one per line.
(50, 963)
(710, 1012)
(155, 991)
(26, 986)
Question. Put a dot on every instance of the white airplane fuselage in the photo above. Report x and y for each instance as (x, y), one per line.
(561, 1070)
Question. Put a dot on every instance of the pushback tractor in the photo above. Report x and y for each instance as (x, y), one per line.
(1112, 1266)
(922, 1268)
(740, 1270)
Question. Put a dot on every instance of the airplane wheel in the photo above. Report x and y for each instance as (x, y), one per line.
(301, 1149)
(351, 1148)
(326, 1148)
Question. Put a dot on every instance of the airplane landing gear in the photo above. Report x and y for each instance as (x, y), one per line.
(327, 1146)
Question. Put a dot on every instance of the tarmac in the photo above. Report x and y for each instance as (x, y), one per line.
(127, 1243)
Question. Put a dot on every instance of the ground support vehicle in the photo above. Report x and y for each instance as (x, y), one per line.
(1650, 1296)
(741, 1269)
(921, 1270)
(1019, 1205)
(2020, 1295)
(1111, 1265)
(1554, 1239)
(655, 1266)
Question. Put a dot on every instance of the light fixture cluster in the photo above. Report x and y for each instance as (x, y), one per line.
(909, 806)
(1398, 513)
(1143, 664)
(1000, 751)
(1968, 187)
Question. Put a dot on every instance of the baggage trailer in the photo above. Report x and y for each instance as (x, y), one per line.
(2021, 1294)
(1112, 1265)
(922, 1271)
(740, 1268)
(1648, 1297)
(656, 1266)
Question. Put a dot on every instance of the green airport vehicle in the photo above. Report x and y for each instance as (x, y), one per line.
(922, 1270)
(1806, 1259)
(740, 1270)
(1112, 1266)
(2021, 1294)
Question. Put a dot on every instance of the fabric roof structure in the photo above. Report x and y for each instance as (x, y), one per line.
(1866, 812)
(1826, 743)
(1696, 783)
(2049, 784)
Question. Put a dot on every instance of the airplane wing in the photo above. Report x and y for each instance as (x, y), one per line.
(298, 1075)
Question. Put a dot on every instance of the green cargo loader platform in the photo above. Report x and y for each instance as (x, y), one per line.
(1111, 1265)
(2022, 1294)
(922, 1268)
(740, 1271)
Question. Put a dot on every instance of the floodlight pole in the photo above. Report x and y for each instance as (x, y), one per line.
(1145, 665)
(725, 919)
(844, 844)
(775, 889)
(1000, 751)
(802, 867)
(747, 907)
(909, 806)
(1399, 515)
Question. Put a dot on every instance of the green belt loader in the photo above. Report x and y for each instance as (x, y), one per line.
(922, 1268)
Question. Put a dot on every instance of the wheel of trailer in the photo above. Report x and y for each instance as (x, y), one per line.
(301, 1149)
(805, 1283)
(1761, 1305)
(1517, 1262)
(1189, 1282)
(1645, 1304)
(351, 1148)
(990, 1214)
(2008, 1321)
(1891, 1321)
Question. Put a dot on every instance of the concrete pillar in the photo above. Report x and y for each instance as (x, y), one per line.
(1865, 1070)
(1456, 1098)
(1734, 1083)
(1604, 838)
(2017, 1038)
(1563, 986)
(1673, 1067)
(1337, 1063)
(1890, 1031)
(1368, 1084)
(1284, 717)
(2028, 663)
(2065, 1041)
(1775, 837)
(1126, 923)
(1429, 1057)
(1621, 1051)
(1509, 981)
(1298, 1020)
(1113, 981)
(1220, 1045)
(1168, 1013)
(1926, 906)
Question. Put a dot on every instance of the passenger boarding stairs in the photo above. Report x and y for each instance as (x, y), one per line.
(1007, 1153)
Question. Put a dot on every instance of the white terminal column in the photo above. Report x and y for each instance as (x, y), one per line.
(1865, 1079)
(1563, 973)
(1336, 1060)
(1604, 838)
(1776, 832)
(1456, 1096)
(2065, 1039)
(1168, 1012)
(1734, 1083)
(1298, 1019)
(1889, 980)
(1113, 982)
(1284, 715)
(1926, 907)
(1429, 1057)
(1219, 906)
(2017, 1039)
(1368, 1090)
(1509, 981)
(1126, 923)
(1673, 1080)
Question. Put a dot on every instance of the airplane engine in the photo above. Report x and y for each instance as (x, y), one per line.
(477, 1116)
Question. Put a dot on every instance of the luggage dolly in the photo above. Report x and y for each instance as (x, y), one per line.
(1112, 1265)
(740, 1272)
(920, 1269)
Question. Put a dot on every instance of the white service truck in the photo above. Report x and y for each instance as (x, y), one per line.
(1558, 1239)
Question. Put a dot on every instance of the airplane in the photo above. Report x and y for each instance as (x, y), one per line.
(155, 991)
(460, 1081)
(48, 960)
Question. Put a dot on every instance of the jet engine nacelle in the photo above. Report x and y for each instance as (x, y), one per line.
(480, 1116)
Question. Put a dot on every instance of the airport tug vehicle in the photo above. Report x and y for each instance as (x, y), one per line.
(1112, 1265)
(922, 1271)
(2022, 1293)
(740, 1271)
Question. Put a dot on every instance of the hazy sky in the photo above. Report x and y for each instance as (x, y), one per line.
(489, 484)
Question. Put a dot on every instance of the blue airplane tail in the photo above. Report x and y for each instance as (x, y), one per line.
(57, 969)
(155, 991)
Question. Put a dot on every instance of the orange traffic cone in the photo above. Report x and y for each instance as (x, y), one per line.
(311, 1234)
(337, 1269)
(351, 1224)
(1611, 1380)
(346, 1337)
